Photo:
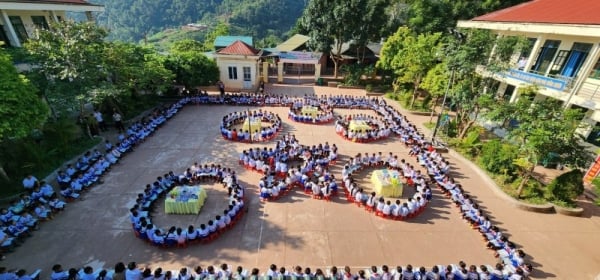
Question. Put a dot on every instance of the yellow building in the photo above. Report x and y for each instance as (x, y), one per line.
(563, 58)
(238, 66)
(20, 18)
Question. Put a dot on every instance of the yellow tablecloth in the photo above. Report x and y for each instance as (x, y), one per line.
(358, 126)
(387, 183)
(191, 206)
(254, 125)
(310, 110)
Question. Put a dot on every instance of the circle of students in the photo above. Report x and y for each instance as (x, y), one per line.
(243, 134)
(324, 115)
(379, 128)
(513, 265)
(181, 237)
(377, 204)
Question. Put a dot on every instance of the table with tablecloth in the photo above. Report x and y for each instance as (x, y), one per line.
(310, 111)
(358, 126)
(254, 124)
(185, 200)
(387, 183)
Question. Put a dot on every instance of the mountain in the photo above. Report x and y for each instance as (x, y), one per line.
(135, 20)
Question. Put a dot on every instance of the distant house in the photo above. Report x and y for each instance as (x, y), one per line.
(295, 43)
(225, 41)
(20, 18)
(238, 65)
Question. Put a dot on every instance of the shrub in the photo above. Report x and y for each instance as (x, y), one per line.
(596, 184)
(565, 187)
(498, 157)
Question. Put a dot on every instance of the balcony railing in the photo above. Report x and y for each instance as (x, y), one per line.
(589, 90)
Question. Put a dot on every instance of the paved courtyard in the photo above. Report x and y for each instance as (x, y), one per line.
(296, 230)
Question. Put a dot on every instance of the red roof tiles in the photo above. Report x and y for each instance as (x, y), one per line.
(69, 2)
(549, 11)
(239, 48)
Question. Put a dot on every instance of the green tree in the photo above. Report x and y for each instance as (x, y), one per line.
(70, 54)
(187, 45)
(192, 69)
(371, 25)
(21, 109)
(410, 57)
(436, 83)
(209, 41)
(135, 69)
(331, 24)
(566, 187)
(542, 126)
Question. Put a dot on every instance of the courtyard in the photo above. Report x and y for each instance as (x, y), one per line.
(297, 229)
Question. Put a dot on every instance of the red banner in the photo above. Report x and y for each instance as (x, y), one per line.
(593, 171)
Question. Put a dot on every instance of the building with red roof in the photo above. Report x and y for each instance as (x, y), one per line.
(20, 18)
(563, 58)
(239, 65)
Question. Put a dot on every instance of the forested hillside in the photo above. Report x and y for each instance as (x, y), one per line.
(133, 20)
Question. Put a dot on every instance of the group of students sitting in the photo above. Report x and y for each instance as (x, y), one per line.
(243, 134)
(133, 271)
(91, 166)
(276, 164)
(379, 128)
(438, 170)
(324, 115)
(177, 236)
(397, 210)
(41, 202)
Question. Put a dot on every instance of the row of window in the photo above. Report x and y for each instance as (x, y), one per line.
(233, 73)
(17, 23)
(565, 63)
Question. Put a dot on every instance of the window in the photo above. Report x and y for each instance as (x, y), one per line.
(17, 24)
(579, 52)
(3, 37)
(545, 56)
(232, 72)
(596, 71)
(559, 61)
(40, 22)
(247, 74)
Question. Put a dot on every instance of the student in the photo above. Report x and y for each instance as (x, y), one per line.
(58, 273)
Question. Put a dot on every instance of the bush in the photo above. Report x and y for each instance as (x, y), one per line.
(596, 184)
(565, 187)
(498, 157)
(533, 191)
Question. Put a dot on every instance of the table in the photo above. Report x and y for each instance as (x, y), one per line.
(176, 202)
(255, 124)
(311, 111)
(358, 126)
(387, 183)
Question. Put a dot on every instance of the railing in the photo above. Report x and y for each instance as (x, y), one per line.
(589, 91)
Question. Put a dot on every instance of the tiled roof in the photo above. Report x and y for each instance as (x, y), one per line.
(224, 41)
(239, 48)
(549, 11)
(67, 2)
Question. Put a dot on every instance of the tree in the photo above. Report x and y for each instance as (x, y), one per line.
(219, 30)
(331, 24)
(136, 69)
(542, 126)
(70, 54)
(410, 56)
(370, 25)
(192, 69)
(187, 45)
(436, 82)
(21, 109)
